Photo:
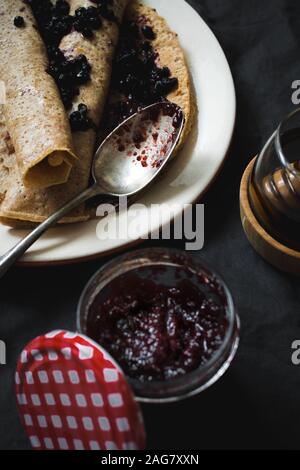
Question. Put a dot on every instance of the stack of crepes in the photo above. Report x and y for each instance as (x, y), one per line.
(42, 163)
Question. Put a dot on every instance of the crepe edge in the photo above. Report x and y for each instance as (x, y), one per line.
(36, 178)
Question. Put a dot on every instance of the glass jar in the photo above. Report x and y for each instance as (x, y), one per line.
(166, 263)
(274, 187)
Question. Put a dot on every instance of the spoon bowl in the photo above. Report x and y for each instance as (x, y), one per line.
(138, 149)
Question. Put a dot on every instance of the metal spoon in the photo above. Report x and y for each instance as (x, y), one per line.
(127, 161)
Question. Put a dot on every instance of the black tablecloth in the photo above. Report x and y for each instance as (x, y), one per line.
(257, 404)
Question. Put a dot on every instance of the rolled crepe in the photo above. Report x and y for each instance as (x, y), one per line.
(35, 116)
(7, 156)
(169, 54)
(23, 204)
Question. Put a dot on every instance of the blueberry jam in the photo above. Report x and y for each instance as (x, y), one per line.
(54, 22)
(104, 7)
(137, 79)
(53, 19)
(158, 331)
(69, 74)
(79, 119)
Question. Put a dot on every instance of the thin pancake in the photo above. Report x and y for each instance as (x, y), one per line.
(171, 55)
(35, 116)
(34, 206)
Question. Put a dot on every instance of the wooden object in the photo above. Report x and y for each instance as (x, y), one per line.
(277, 254)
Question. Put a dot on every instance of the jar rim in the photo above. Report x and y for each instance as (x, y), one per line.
(113, 269)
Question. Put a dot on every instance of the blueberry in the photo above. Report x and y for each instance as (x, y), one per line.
(19, 22)
(63, 78)
(82, 61)
(55, 54)
(87, 33)
(165, 72)
(82, 77)
(62, 7)
(146, 59)
(92, 12)
(53, 70)
(79, 120)
(67, 97)
(80, 12)
(166, 85)
(95, 22)
(75, 116)
(170, 84)
(148, 32)
(62, 28)
(66, 66)
(146, 46)
(78, 26)
(75, 120)
(82, 108)
(86, 20)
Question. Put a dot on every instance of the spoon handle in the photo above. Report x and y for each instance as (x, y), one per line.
(9, 258)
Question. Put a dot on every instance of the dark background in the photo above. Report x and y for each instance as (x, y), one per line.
(257, 404)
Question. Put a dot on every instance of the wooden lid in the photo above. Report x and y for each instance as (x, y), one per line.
(277, 254)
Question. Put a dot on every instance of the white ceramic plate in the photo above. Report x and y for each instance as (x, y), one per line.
(188, 176)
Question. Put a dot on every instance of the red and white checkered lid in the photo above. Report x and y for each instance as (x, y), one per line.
(71, 395)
